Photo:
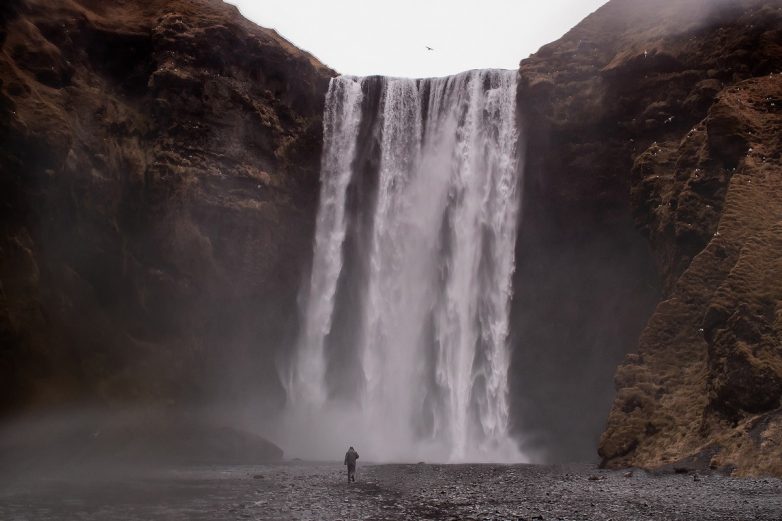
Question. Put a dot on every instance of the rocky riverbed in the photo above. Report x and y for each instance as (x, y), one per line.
(304, 491)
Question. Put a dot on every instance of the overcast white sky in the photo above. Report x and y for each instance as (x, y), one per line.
(389, 37)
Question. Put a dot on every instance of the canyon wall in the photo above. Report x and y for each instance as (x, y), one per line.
(158, 190)
(662, 118)
(158, 184)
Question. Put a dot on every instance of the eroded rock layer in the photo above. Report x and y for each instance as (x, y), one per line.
(158, 183)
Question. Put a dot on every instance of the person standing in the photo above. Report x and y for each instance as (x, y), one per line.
(350, 460)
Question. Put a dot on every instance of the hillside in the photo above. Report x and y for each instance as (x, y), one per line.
(664, 117)
(158, 183)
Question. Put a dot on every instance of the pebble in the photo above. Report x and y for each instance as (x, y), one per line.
(302, 491)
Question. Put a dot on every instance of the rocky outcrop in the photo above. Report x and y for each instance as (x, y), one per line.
(708, 374)
(158, 182)
(664, 116)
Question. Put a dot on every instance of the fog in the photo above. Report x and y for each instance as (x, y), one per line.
(72, 441)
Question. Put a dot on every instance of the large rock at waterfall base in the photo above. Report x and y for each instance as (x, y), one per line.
(158, 183)
(73, 441)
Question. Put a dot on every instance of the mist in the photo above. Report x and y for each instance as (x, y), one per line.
(410, 288)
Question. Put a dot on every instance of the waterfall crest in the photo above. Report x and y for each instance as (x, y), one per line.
(403, 348)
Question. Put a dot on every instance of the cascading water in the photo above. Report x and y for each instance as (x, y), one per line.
(403, 347)
(340, 121)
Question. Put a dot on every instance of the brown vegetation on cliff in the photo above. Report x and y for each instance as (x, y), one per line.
(708, 375)
(674, 108)
(158, 178)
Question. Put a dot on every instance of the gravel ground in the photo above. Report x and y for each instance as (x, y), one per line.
(299, 491)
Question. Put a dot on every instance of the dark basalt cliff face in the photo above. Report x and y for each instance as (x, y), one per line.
(661, 117)
(158, 184)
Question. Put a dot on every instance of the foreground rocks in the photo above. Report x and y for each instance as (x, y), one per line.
(393, 492)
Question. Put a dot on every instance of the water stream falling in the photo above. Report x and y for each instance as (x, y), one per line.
(403, 349)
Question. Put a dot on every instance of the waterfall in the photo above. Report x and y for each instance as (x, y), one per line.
(341, 119)
(403, 349)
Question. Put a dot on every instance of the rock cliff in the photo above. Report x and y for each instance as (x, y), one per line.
(158, 189)
(158, 183)
(665, 116)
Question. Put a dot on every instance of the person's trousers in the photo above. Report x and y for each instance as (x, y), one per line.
(351, 473)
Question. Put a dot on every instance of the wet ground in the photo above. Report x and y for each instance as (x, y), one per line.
(299, 491)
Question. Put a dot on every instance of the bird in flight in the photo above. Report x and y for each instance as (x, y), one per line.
(428, 48)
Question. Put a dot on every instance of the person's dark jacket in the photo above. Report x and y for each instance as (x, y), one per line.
(350, 458)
